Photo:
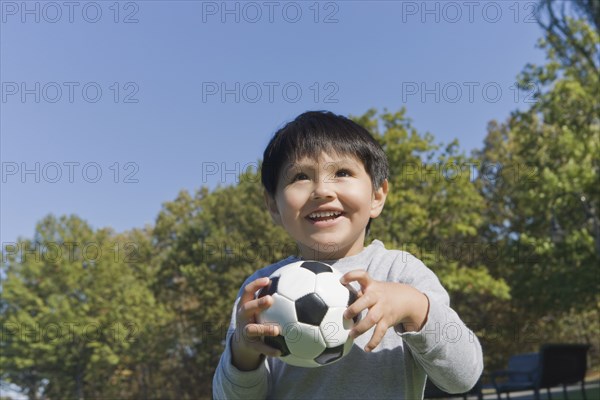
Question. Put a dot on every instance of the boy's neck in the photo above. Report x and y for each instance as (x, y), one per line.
(328, 252)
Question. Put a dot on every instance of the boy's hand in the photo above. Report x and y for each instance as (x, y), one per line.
(246, 345)
(389, 304)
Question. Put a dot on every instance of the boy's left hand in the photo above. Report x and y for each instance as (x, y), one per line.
(389, 304)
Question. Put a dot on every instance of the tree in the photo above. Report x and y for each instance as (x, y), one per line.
(553, 17)
(549, 159)
(75, 310)
(541, 178)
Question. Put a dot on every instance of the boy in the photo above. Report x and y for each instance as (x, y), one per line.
(325, 178)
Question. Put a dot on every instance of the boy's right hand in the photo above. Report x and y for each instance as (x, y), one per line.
(247, 346)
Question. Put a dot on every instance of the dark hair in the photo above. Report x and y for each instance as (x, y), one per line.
(314, 132)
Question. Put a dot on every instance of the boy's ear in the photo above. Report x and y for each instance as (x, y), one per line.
(272, 207)
(379, 197)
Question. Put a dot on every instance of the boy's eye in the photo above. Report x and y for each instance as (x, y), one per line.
(299, 177)
(343, 173)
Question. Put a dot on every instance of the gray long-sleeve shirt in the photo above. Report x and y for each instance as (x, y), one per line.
(445, 349)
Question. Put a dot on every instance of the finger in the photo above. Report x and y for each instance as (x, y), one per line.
(380, 330)
(251, 288)
(265, 349)
(252, 307)
(258, 330)
(351, 288)
(371, 319)
(358, 275)
(256, 343)
(362, 303)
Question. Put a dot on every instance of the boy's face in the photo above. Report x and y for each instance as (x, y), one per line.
(325, 205)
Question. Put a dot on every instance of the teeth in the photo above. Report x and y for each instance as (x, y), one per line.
(323, 214)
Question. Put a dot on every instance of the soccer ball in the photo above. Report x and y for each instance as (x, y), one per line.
(308, 303)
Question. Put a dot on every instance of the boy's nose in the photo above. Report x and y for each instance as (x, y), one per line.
(323, 190)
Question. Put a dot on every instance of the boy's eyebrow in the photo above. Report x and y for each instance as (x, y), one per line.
(297, 166)
(347, 162)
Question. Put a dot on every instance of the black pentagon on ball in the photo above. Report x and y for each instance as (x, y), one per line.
(270, 289)
(316, 267)
(311, 309)
(353, 295)
(330, 354)
(278, 342)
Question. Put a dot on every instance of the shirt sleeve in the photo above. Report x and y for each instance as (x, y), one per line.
(232, 383)
(446, 348)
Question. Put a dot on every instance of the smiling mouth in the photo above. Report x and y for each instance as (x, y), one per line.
(324, 215)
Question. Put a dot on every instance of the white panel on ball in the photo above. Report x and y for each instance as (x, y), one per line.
(304, 339)
(329, 287)
(282, 312)
(295, 282)
(335, 328)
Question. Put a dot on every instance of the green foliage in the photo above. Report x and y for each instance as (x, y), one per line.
(434, 209)
(564, 23)
(555, 146)
(76, 310)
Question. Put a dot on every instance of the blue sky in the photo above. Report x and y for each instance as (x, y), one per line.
(113, 108)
